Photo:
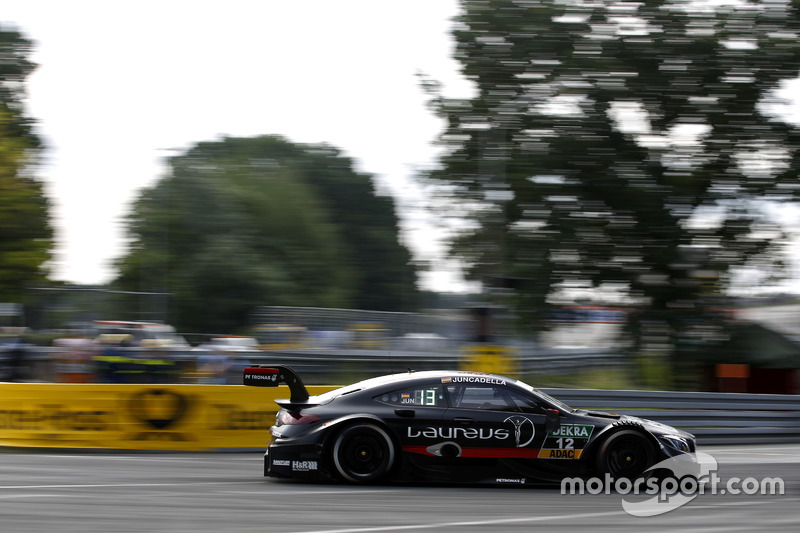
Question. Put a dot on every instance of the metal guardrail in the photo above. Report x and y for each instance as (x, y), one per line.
(316, 364)
(323, 366)
(713, 417)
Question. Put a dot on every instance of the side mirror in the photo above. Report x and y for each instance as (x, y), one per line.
(552, 421)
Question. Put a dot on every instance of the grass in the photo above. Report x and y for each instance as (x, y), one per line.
(645, 373)
(617, 377)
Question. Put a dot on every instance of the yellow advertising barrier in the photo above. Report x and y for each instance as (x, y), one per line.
(490, 359)
(138, 417)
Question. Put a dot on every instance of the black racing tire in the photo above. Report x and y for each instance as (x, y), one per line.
(363, 453)
(626, 454)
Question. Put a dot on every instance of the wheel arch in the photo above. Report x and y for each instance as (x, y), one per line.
(341, 424)
(597, 443)
(335, 427)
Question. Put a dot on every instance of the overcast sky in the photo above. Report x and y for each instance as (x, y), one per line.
(121, 85)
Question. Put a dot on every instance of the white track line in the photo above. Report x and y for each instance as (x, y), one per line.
(520, 520)
(116, 485)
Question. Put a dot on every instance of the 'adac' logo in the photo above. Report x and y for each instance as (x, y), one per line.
(159, 409)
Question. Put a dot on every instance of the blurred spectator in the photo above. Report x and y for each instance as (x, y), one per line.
(222, 359)
(157, 362)
(13, 356)
(212, 365)
(113, 362)
(74, 360)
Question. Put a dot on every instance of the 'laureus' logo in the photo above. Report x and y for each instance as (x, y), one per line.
(524, 430)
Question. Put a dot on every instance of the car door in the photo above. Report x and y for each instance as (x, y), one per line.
(489, 420)
(415, 415)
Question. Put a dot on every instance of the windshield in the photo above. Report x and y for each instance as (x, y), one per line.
(556, 402)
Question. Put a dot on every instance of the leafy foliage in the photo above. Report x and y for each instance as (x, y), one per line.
(261, 221)
(620, 144)
(26, 237)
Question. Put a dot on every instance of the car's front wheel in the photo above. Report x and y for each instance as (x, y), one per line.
(363, 453)
(625, 454)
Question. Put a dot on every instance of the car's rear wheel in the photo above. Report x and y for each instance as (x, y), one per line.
(625, 454)
(363, 453)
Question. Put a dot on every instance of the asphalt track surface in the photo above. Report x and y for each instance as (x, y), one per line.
(225, 492)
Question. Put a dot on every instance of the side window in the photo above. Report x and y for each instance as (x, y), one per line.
(494, 398)
(526, 404)
(422, 396)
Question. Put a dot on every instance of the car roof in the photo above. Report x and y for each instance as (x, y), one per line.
(427, 374)
(413, 377)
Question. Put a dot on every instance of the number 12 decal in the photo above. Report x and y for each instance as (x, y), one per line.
(565, 444)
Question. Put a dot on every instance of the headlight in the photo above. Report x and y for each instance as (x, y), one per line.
(677, 442)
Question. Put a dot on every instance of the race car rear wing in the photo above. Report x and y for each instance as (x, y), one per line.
(272, 376)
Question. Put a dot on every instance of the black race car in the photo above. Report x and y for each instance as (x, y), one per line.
(452, 426)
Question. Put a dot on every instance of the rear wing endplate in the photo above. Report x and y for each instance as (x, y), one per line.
(272, 376)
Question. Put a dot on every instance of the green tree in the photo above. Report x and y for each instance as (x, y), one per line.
(385, 275)
(26, 236)
(619, 144)
(261, 221)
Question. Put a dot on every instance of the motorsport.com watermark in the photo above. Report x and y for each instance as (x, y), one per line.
(692, 474)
